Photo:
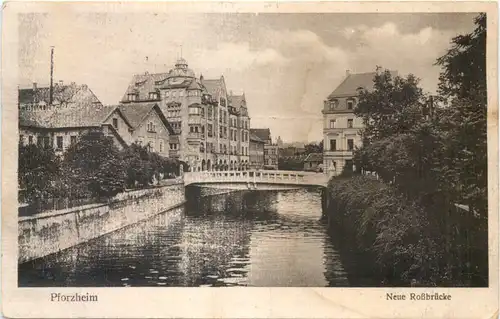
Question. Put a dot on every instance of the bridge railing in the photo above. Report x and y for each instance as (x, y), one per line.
(257, 176)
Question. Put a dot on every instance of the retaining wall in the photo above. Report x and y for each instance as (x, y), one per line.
(50, 232)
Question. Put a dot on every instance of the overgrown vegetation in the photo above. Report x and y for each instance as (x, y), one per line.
(430, 155)
(92, 168)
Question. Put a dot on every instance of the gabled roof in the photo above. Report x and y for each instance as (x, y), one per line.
(262, 133)
(255, 138)
(353, 82)
(211, 85)
(80, 116)
(237, 101)
(67, 94)
(314, 157)
(136, 114)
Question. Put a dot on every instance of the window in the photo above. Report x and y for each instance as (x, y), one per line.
(209, 112)
(59, 142)
(181, 93)
(115, 123)
(333, 145)
(132, 97)
(21, 139)
(30, 139)
(350, 104)
(73, 139)
(242, 150)
(153, 95)
(348, 164)
(210, 133)
(46, 141)
(196, 129)
(350, 144)
(349, 123)
(332, 123)
(161, 146)
(220, 131)
(203, 129)
(151, 127)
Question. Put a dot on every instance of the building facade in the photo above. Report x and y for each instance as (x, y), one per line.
(147, 126)
(271, 150)
(341, 128)
(60, 128)
(208, 122)
(313, 162)
(256, 152)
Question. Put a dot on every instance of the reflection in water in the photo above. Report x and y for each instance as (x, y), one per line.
(246, 238)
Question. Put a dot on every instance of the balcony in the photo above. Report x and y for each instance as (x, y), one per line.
(194, 119)
(340, 153)
(173, 153)
(193, 136)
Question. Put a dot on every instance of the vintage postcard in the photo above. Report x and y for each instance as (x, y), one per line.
(250, 160)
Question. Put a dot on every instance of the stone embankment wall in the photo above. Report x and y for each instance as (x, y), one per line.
(50, 232)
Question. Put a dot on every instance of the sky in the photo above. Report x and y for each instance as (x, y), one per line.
(286, 64)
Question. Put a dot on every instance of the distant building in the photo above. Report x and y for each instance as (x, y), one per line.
(313, 162)
(271, 151)
(202, 114)
(147, 126)
(63, 95)
(291, 151)
(256, 152)
(279, 142)
(340, 126)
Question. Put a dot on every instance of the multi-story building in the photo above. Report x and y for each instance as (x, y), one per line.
(341, 128)
(256, 152)
(201, 113)
(271, 150)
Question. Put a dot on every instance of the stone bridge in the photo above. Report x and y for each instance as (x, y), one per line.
(256, 179)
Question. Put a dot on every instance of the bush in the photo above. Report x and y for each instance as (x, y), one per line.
(38, 167)
(93, 167)
(404, 243)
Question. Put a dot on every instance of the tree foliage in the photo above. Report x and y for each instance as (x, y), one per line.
(439, 161)
(38, 167)
(94, 166)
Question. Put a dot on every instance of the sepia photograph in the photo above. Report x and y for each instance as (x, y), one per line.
(252, 149)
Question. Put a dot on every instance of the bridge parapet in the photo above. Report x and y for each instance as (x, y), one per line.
(257, 177)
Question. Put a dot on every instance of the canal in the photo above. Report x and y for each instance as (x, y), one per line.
(248, 238)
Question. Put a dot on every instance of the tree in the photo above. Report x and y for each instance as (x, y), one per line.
(463, 85)
(94, 167)
(394, 106)
(38, 168)
(314, 148)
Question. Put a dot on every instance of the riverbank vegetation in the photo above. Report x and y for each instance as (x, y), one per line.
(91, 170)
(424, 217)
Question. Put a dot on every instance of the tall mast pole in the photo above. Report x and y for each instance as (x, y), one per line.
(51, 93)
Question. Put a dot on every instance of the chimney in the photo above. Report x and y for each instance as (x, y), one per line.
(61, 82)
(347, 73)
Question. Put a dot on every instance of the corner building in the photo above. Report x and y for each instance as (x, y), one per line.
(341, 127)
(210, 125)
